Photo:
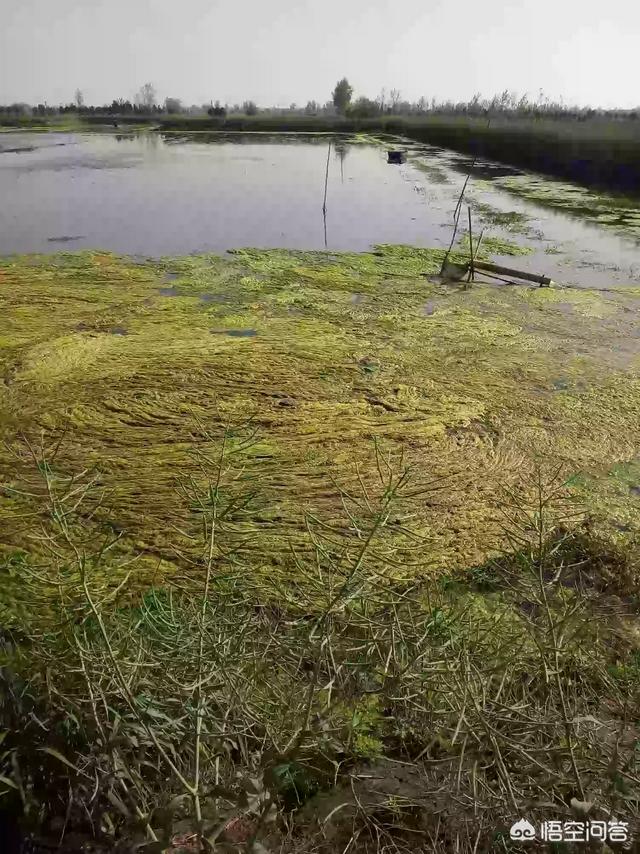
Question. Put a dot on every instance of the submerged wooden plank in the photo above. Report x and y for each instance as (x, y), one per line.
(509, 271)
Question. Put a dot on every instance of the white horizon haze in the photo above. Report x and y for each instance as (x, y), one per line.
(276, 53)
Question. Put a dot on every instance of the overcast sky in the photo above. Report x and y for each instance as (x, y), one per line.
(283, 51)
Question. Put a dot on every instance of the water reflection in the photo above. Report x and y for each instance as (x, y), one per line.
(342, 150)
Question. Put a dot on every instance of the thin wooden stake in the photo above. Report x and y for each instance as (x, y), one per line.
(457, 212)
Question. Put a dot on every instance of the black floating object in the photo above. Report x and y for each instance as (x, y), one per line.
(396, 156)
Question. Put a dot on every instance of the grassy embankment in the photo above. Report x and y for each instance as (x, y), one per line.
(292, 538)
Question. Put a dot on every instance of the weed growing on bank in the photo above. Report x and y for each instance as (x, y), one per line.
(343, 708)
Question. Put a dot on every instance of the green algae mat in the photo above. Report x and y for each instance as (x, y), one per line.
(126, 366)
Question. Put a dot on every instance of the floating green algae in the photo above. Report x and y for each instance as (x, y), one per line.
(472, 392)
(585, 302)
(435, 173)
(613, 211)
(498, 246)
(513, 221)
(494, 246)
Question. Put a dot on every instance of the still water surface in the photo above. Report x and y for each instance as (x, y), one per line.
(152, 195)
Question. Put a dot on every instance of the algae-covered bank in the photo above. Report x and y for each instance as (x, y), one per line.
(126, 365)
(314, 549)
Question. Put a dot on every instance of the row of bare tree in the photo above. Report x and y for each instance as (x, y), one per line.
(391, 102)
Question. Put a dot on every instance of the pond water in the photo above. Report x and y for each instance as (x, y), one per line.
(155, 195)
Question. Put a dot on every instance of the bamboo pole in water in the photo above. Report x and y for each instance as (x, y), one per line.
(457, 211)
(508, 271)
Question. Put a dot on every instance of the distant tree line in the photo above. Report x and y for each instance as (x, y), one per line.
(342, 103)
(506, 103)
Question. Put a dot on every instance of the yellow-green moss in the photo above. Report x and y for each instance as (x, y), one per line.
(481, 387)
(494, 246)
